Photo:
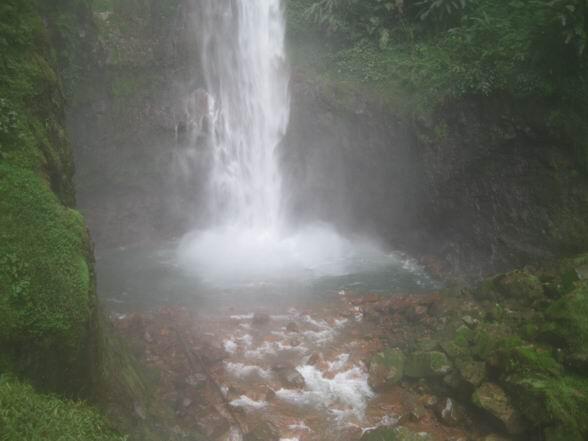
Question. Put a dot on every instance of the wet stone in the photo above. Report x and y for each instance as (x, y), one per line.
(492, 398)
(450, 413)
(289, 376)
(472, 372)
(427, 364)
(260, 319)
(386, 368)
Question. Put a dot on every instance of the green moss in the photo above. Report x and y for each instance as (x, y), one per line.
(567, 320)
(427, 364)
(552, 401)
(27, 415)
(46, 292)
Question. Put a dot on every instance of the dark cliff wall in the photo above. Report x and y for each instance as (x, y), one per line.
(129, 124)
(476, 186)
(354, 167)
(500, 189)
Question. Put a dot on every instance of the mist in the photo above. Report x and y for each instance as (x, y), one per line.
(293, 220)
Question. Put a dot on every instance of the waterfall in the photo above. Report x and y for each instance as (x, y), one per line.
(244, 113)
(244, 63)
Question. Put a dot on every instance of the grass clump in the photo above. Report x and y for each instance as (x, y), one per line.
(26, 415)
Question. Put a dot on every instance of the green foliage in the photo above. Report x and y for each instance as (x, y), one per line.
(567, 320)
(442, 10)
(45, 283)
(553, 401)
(27, 415)
(416, 55)
(46, 286)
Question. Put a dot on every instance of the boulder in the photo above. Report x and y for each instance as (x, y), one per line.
(450, 413)
(289, 376)
(472, 372)
(260, 319)
(386, 368)
(492, 398)
(517, 285)
(427, 364)
(520, 285)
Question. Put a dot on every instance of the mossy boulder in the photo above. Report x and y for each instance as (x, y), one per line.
(472, 372)
(386, 368)
(517, 285)
(427, 364)
(395, 434)
(494, 400)
(28, 415)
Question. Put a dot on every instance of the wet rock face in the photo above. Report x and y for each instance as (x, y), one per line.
(350, 168)
(449, 187)
(136, 122)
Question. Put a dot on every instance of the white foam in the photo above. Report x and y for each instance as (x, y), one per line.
(349, 388)
(339, 323)
(320, 337)
(247, 403)
(242, 317)
(246, 339)
(385, 421)
(241, 370)
(230, 346)
(267, 348)
(299, 426)
(339, 363)
(241, 253)
(273, 348)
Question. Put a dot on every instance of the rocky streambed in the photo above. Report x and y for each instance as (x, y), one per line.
(484, 363)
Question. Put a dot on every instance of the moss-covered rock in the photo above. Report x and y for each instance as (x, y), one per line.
(427, 364)
(472, 372)
(28, 415)
(515, 286)
(386, 368)
(492, 398)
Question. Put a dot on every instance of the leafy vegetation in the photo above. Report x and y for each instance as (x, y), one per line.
(27, 415)
(429, 52)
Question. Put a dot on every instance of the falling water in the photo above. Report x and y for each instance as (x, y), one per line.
(246, 108)
(243, 58)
